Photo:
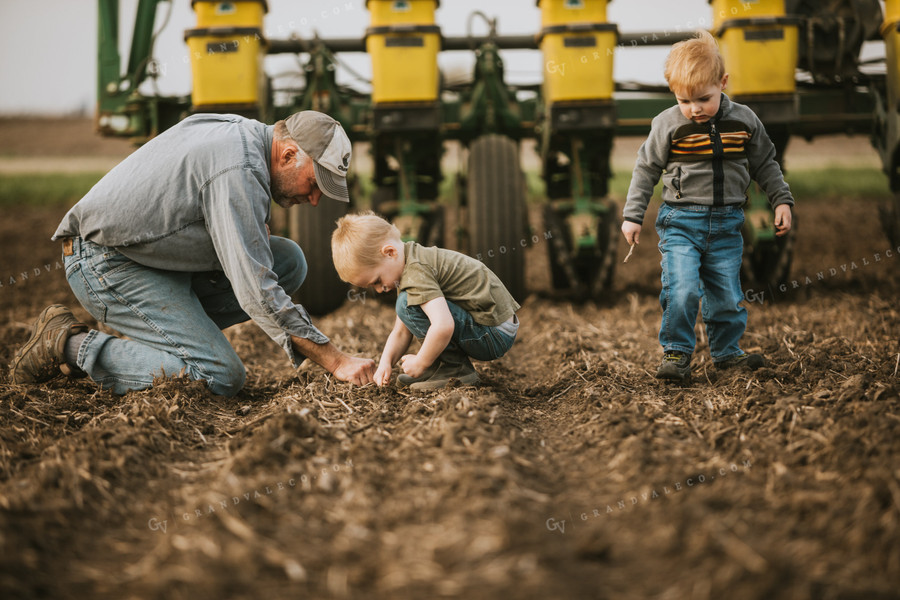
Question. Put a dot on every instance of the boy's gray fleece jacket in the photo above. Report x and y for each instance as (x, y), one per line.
(706, 163)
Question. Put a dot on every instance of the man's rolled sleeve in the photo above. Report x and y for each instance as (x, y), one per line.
(236, 206)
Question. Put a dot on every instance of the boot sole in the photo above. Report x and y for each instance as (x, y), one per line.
(740, 366)
(470, 379)
(675, 380)
(674, 377)
(36, 330)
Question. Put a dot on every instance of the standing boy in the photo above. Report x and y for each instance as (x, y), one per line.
(707, 149)
(453, 303)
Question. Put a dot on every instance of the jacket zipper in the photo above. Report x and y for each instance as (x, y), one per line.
(717, 165)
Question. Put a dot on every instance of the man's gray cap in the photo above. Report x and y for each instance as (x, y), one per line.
(326, 142)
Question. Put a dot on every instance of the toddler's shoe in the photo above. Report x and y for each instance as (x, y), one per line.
(675, 366)
(750, 361)
(440, 372)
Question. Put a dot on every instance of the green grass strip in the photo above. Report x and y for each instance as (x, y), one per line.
(45, 189)
(65, 189)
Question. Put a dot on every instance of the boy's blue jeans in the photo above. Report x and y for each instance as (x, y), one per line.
(701, 250)
(172, 320)
(481, 342)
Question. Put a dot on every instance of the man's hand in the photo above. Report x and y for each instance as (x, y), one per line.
(413, 365)
(358, 371)
(632, 232)
(783, 219)
(383, 374)
(355, 370)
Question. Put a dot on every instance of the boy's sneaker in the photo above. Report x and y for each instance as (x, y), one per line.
(750, 361)
(675, 365)
(440, 373)
(42, 357)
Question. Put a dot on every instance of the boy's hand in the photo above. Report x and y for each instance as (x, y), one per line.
(383, 374)
(783, 219)
(413, 365)
(632, 232)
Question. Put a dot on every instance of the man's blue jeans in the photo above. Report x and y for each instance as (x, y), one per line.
(172, 320)
(481, 342)
(701, 250)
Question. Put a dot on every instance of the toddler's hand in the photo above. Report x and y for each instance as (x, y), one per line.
(632, 232)
(383, 375)
(412, 365)
(783, 219)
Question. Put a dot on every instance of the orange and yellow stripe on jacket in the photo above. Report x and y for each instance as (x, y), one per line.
(692, 142)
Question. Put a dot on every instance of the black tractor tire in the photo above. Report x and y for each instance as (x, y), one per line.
(311, 227)
(496, 210)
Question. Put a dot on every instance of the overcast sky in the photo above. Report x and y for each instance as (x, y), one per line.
(48, 48)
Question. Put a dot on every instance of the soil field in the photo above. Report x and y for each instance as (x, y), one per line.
(571, 473)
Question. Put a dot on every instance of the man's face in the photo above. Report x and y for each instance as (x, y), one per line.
(293, 184)
(701, 104)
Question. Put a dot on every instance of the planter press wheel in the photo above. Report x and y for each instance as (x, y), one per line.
(890, 220)
(603, 271)
(562, 273)
(311, 227)
(590, 274)
(497, 215)
(383, 202)
(431, 233)
(769, 263)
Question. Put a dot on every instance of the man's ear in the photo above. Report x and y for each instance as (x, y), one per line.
(288, 155)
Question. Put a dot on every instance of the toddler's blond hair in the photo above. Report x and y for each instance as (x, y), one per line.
(356, 243)
(694, 64)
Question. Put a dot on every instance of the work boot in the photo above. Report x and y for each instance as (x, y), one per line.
(43, 356)
(750, 361)
(675, 366)
(451, 364)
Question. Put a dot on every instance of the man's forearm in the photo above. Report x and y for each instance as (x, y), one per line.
(325, 355)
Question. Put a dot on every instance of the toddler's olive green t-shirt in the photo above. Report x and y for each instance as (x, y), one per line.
(434, 272)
